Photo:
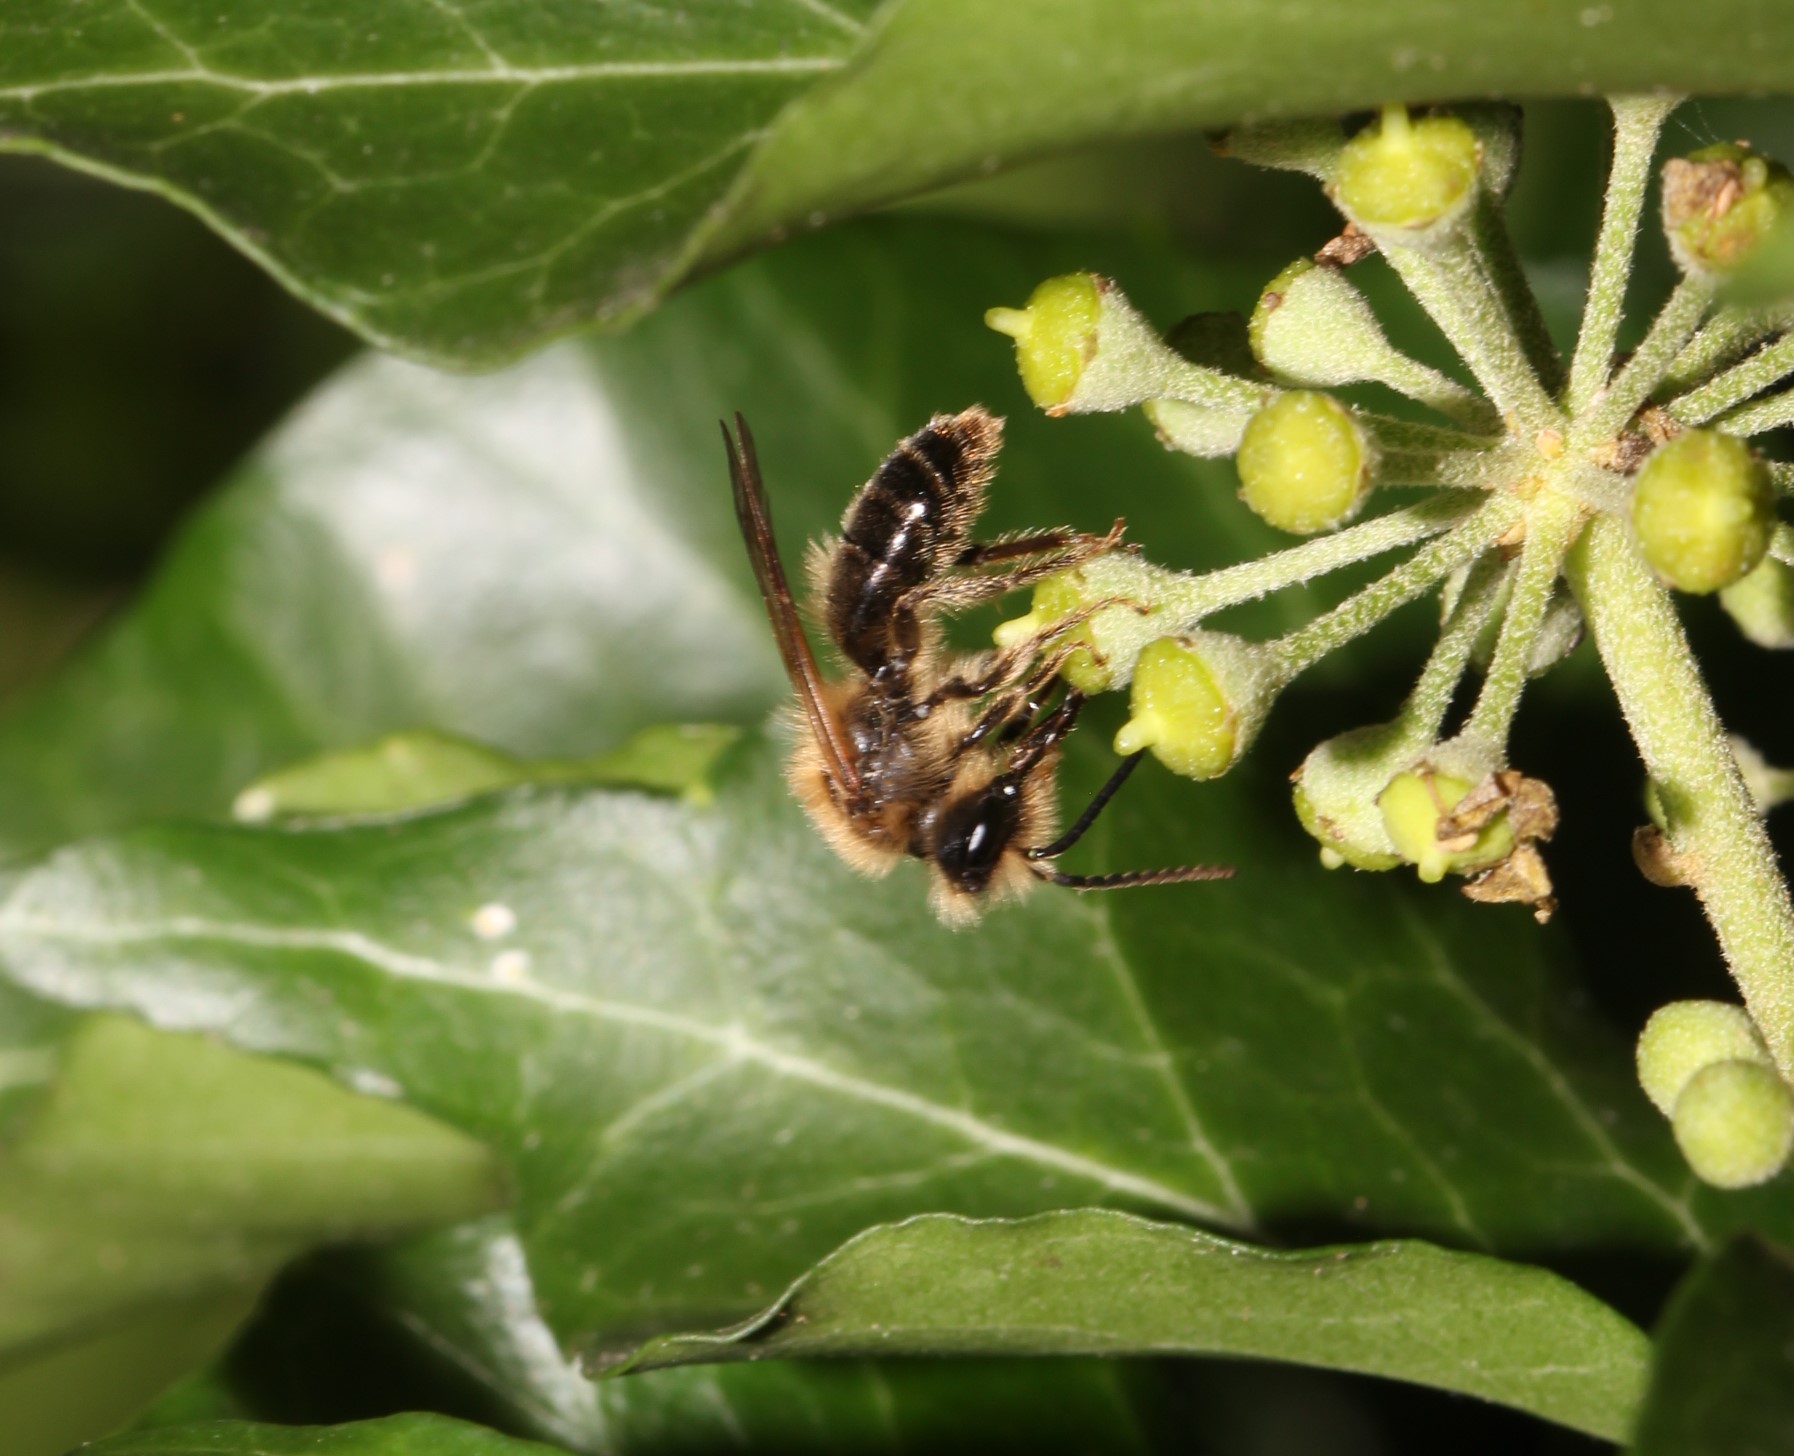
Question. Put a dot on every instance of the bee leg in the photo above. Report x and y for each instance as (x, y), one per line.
(1064, 542)
(1007, 666)
(1054, 551)
(1044, 736)
(1011, 714)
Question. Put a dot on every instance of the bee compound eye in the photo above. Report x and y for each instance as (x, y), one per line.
(974, 831)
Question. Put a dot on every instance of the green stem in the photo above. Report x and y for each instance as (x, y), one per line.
(1713, 826)
(1358, 613)
(1764, 368)
(1451, 286)
(1423, 715)
(1632, 386)
(1501, 264)
(1191, 598)
(1723, 339)
(1766, 414)
(1550, 525)
(1426, 385)
(1636, 122)
(1410, 453)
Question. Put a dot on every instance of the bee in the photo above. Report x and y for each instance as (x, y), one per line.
(918, 753)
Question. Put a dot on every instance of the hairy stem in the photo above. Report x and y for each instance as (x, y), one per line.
(1726, 337)
(1358, 613)
(1713, 826)
(1633, 385)
(1766, 414)
(1550, 525)
(1423, 715)
(1192, 598)
(1636, 123)
(1768, 366)
(1501, 265)
(1452, 287)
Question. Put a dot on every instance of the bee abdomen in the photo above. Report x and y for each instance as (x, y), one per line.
(907, 525)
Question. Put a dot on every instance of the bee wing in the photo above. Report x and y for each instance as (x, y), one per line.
(775, 591)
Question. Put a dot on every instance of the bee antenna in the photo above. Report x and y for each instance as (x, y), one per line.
(1126, 879)
(1107, 792)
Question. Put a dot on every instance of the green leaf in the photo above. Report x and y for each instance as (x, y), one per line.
(460, 183)
(1096, 1283)
(1722, 1382)
(160, 1169)
(465, 1296)
(410, 1435)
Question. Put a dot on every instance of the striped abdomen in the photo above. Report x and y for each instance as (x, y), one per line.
(907, 526)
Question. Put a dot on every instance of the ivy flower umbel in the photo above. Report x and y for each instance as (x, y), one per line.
(1558, 495)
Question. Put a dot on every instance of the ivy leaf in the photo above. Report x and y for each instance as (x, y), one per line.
(1088, 1282)
(465, 1295)
(1720, 1382)
(409, 1435)
(461, 182)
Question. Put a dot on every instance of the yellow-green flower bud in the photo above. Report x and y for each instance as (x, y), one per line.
(1055, 336)
(1411, 178)
(1685, 1036)
(1761, 603)
(1197, 702)
(1116, 600)
(1304, 464)
(1720, 205)
(1055, 598)
(1312, 327)
(1703, 509)
(1082, 348)
(1735, 1123)
(1336, 796)
(1413, 806)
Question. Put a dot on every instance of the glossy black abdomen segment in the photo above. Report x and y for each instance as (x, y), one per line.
(907, 526)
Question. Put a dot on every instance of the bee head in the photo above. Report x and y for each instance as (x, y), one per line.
(973, 832)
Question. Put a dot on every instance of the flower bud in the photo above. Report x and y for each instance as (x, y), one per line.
(1414, 806)
(1761, 603)
(1703, 509)
(1116, 593)
(1197, 702)
(1336, 795)
(1312, 327)
(1082, 348)
(1685, 1036)
(1055, 336)
(1408, 180)
(1734, 1122)
(1304, 464)
(1720, 205)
